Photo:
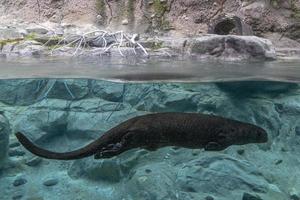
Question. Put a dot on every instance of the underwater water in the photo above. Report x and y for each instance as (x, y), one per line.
(67, 113)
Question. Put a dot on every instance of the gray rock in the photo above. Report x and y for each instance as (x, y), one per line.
(15, 152)
(97, 41)
(19, 181)
(14, 144)
(231, 48)
(41, 125)
(93, 105)
(20, 92)
(108, 90)
(29, 49)
(67, 88)
(4, 139)
(159, 184)
(7, 48)
(17, 197)
(36, 29)
(10, 34)
(206, 175)
(50, 182)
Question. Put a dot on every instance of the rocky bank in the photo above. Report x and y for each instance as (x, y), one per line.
(166, 28)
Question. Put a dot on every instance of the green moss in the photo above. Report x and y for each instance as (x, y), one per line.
(101, 9)
(295, 10)
(130, 11)
(30, 36)
(159, 8)
(9, 41)
(156, 45)
(275, 3)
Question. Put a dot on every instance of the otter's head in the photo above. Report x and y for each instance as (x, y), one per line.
(236, 133)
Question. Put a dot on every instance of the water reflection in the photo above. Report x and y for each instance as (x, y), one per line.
(150, 70)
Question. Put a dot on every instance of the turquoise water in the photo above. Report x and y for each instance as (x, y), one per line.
(62, 105)
(65, 114)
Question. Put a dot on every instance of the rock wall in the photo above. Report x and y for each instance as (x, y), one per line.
(65, 114)
(188, 17)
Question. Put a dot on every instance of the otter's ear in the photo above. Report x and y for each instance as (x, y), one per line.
(213, 146)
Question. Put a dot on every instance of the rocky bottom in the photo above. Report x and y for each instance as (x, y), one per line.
(66, 114)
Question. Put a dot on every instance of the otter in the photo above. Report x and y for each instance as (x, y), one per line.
(153, 131)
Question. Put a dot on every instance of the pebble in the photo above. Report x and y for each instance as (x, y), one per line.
(19, 181)
(33, 161)
(125, 22)
(247, 196)
(14, 144)
(18, 196)
(209, 198)
(241, 151)
(278, 162)
(50, 182)
(15, 152)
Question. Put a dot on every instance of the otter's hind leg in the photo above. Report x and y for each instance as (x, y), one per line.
(112, 150)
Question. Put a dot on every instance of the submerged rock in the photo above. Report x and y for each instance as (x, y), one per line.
(219, 174)
(20, 92)
(109, 91)
(155, 185)
(14, 144)
(50, 182)
(4, 139)
(19, 181)
(15, 152)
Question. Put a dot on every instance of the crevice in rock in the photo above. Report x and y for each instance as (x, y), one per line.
(230, 25)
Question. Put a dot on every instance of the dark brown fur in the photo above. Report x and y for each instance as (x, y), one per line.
(152, 131)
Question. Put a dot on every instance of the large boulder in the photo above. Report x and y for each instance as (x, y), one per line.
(19, 92)
(231, 48)
(10, 34)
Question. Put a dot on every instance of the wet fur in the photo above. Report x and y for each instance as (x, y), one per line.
(153, 131)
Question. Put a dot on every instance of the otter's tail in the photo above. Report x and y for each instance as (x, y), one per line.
(86, 151)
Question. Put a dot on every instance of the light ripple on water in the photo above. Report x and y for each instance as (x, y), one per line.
(150, 70)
